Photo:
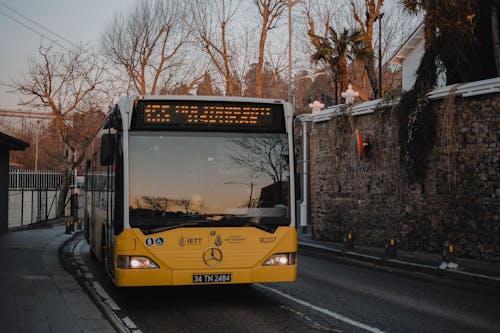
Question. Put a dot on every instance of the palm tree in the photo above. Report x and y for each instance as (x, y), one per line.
(337, 50)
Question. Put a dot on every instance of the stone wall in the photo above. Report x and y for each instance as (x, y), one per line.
(459, 200)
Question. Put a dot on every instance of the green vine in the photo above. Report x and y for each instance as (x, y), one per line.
(384, 110)
(417, 120)
(417, 133)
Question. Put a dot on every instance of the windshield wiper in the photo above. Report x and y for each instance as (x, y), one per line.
(225, 221)
(242, 221)
(148, 231)
(267, 228)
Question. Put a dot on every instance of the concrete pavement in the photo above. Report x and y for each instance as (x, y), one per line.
(36, 293)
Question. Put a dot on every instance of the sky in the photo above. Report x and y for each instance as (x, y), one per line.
(77, 21)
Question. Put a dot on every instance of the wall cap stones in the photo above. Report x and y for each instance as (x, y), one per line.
(467, 89)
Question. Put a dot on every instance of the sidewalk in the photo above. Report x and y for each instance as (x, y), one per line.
(468, 270)
(36, 293)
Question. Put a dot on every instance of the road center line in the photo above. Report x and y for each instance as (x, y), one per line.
(322, 310)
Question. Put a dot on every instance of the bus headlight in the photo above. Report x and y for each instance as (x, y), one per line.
(281, 259)
(135, 262)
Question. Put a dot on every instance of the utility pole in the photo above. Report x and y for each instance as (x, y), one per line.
(380, 54)
(290, 4)
(36, 144)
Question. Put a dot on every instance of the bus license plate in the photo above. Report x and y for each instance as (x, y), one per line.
(211, 278)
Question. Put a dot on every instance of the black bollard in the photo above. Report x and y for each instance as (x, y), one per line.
(69, 229)
(449, 257)
(348, 241)
(390, 248)
(74, 210)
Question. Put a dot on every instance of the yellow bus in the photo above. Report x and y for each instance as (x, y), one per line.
(193, 190)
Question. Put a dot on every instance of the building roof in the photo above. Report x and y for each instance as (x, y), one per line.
(12, 143)
(411, 43)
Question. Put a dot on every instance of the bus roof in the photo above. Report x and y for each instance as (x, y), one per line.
(207, 98)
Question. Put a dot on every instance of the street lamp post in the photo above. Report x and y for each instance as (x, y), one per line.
(36, 144)
(290, 4)
(379, 17)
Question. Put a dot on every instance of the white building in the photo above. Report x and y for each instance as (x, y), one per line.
(409, 56)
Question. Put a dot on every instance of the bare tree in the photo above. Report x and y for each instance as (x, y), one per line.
(324, 14)
(261, 155)
(156, 203)
(273, 86)
(146, 43)
(181, 88)
(372, 13)
(167, 205)
(184, 204)
(211, 20)
(66, 85)
(270, 11)
(206, 87)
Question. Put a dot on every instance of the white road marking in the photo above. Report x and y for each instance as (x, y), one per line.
(322, 310)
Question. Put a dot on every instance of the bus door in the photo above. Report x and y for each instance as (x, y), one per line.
(108, 143)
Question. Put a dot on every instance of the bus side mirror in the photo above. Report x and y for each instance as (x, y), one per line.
(107, 149)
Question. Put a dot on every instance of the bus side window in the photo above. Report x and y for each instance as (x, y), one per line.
(107, 149)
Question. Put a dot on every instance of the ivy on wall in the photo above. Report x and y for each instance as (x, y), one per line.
(417, 120)
(417, 133)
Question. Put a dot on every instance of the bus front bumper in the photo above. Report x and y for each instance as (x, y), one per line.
(163, 277)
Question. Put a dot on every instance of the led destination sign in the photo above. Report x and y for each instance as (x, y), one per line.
(209, 115)
(165, 113)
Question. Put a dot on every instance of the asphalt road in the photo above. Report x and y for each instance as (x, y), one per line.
(330, 295)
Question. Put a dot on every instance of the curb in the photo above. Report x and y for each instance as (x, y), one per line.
(68, 250)
(405, 265)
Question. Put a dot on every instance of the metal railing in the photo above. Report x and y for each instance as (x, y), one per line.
(33, 196)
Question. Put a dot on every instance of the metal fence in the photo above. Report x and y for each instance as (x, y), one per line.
(33, 196)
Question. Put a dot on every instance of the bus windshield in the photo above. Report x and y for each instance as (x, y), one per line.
(195, 178)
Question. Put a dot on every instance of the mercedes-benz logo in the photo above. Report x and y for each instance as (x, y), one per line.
(212, 256)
